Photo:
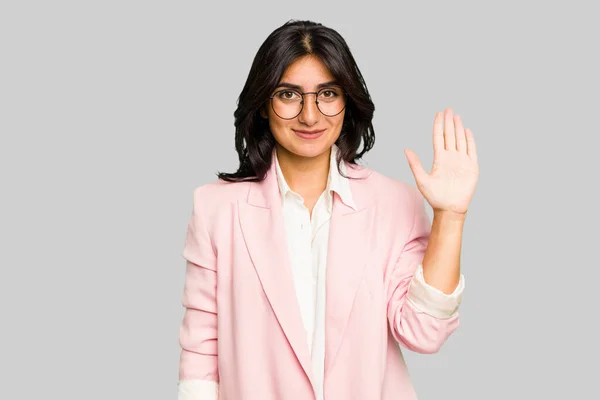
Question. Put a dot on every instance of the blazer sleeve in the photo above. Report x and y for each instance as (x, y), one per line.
(198, 367)
(418, 328)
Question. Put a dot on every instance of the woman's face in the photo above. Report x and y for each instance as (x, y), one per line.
(307, 72)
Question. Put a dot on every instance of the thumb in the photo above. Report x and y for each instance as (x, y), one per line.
(415, 165)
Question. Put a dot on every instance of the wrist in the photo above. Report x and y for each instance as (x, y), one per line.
(448, 215)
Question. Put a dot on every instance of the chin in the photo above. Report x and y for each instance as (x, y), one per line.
(303, 149)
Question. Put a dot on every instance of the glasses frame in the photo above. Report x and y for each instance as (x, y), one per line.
(302, 102)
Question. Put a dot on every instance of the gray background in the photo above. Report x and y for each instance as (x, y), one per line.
(112, 112)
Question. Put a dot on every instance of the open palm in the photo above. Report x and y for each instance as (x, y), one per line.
(451, 183)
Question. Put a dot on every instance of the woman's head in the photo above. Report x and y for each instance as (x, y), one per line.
(296, 58)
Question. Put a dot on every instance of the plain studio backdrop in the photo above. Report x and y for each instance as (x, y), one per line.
(113, 112)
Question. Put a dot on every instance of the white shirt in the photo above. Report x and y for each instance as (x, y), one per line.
(307, 239)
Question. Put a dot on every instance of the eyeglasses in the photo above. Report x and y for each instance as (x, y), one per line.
(288, 103)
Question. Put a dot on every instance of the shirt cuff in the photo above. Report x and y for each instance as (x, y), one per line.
(198, 389)
(433, 301)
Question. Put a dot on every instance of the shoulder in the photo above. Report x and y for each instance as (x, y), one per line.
(398, 203)
(388, 192)
(218, 193)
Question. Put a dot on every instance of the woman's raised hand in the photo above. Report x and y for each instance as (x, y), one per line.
(451, 183)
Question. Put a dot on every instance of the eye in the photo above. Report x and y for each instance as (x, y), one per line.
(287, 94)
(329, 93)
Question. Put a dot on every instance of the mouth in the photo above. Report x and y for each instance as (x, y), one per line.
(309, 134)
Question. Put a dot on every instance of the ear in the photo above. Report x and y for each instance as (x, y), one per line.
(263, 112)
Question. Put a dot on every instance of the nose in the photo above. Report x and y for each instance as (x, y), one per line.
(310, 112)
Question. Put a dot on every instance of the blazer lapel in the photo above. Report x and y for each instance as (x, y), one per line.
(262, 224)
(263, 228)
(350, 243)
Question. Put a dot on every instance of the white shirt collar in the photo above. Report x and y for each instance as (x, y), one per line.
(335, 181)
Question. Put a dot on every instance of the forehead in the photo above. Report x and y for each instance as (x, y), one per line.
(307, 72)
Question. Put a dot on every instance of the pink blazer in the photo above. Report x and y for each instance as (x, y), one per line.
(242, 324)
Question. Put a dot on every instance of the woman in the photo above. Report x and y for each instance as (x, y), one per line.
(306, 270)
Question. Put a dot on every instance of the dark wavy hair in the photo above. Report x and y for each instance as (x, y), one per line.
(254, 141)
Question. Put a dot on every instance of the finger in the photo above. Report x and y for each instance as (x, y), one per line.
(449, 130)
(438, 133)
(415, 164)
(461, 139)
(471, 149)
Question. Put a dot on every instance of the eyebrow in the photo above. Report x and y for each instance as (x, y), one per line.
(297, 87)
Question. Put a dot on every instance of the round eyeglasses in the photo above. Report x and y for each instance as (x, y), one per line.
(288, 103)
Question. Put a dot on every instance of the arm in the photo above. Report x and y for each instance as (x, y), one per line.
(198, 369)
(441, 264)
(421, 316)
(429, 315)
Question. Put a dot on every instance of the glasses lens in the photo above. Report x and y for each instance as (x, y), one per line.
(288, 103)
(331, 101)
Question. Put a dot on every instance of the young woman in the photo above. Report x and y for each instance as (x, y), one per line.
(305, 270)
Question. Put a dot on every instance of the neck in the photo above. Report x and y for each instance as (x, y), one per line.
(306, 176)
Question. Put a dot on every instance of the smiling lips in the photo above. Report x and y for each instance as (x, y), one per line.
(309, 134)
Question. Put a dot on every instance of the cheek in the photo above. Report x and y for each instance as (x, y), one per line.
(338, 122)
(278, 127)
